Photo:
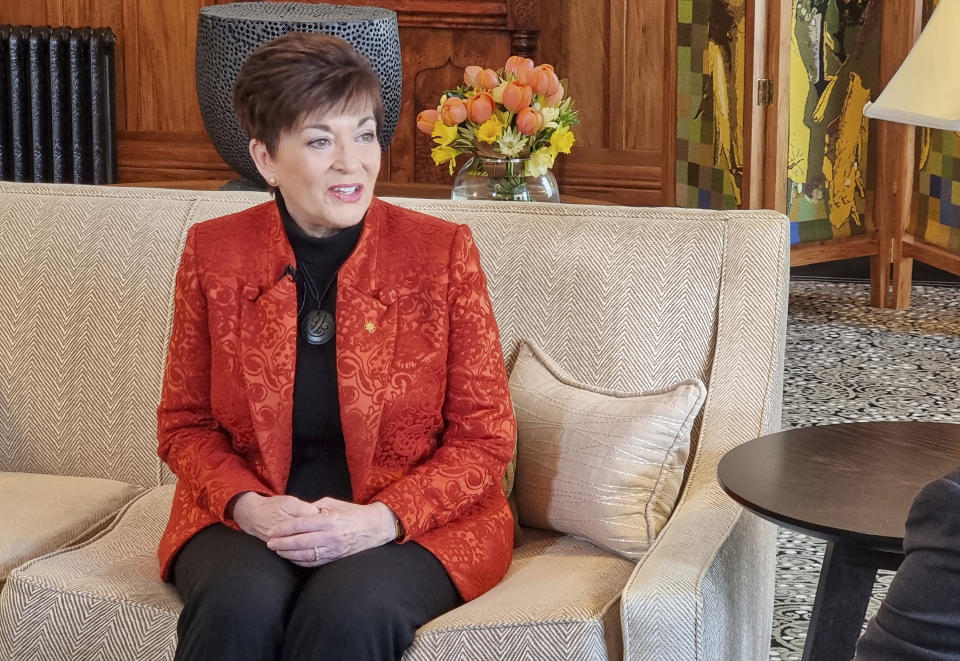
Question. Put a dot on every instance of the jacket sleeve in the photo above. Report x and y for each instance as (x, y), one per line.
(479, 425)
(190, 440)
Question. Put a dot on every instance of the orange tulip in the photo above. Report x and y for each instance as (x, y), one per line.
(427, 119)
(529, 121)
(543, 80)
(470, 75)
(520, 67)
(555, 98)
(480, 108)
(453, 111)
(487, 79)
(517, 96)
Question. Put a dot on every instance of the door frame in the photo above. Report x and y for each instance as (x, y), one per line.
(766, 129)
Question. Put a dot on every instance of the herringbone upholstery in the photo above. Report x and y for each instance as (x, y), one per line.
(107, 590)
(744, 399)
(100, 601)
(561, 594)
(624, 299)
(86, 296)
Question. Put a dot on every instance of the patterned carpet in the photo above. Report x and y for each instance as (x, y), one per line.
(849, 362)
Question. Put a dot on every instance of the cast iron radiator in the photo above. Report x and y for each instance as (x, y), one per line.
(57, 117)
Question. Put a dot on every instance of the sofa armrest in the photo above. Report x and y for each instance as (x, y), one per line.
(705, 588)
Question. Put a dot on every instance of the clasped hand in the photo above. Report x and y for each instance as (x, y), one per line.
(313, 534)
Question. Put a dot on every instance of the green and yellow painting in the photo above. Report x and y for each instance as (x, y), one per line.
(834, 59)
(710, 87)
(834, 69)
(936, 213)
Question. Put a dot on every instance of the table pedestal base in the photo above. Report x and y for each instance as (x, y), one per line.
(846, 583)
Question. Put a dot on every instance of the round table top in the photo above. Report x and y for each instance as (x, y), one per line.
(849, 482)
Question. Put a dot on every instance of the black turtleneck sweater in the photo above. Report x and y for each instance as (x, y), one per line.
(319, 465)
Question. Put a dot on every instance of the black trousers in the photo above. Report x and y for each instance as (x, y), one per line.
(244, 602)
(919, 619)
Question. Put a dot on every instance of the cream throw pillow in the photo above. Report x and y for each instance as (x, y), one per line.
(601, 465)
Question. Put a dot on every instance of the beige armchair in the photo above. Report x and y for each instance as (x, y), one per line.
(623, 298)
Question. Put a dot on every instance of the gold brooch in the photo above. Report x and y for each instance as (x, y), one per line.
(370, 327)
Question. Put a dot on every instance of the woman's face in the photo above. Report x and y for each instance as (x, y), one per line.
(326, 170)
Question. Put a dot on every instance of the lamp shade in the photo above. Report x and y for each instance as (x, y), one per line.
(925, 91)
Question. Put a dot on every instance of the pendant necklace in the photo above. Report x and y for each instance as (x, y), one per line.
(317, 326)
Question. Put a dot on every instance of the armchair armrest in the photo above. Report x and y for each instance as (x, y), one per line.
(705, 589)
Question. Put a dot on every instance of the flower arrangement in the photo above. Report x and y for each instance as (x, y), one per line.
(518, 112)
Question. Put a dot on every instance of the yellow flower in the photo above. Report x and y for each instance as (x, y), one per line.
(561, 141)
(490, 130)
(442, 134)
(497, 92)
(549, 114)
(540, 161)
(445, 154)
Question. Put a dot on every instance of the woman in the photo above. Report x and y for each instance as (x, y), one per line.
(335, 404)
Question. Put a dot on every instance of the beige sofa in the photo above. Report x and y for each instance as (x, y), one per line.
(622, 298)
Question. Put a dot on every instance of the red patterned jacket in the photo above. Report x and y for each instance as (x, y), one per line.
(424, 402)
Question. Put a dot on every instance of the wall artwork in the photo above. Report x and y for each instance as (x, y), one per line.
(710, 87)
(834, 70)
(936, 214)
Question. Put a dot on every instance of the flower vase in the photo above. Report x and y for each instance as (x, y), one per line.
(504, 179)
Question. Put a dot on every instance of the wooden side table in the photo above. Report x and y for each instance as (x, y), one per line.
(852, 485)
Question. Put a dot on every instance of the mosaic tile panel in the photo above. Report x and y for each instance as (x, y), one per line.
(936, 217)
(710, 59)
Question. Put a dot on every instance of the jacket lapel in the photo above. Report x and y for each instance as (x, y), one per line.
(366, 338)
(268, 342)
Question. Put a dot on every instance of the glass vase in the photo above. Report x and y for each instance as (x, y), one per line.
(503, 179)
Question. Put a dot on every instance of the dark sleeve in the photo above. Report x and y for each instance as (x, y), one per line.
(920, 616)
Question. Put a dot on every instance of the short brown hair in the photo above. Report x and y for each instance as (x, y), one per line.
(301, 73)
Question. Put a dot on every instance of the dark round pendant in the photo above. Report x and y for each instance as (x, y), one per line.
(317, 327)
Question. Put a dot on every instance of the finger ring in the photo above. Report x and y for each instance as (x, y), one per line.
(316, 554)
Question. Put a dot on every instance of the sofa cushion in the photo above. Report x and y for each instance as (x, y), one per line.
(104, 600)
(559, 600)
(42, 513)
(604, 465)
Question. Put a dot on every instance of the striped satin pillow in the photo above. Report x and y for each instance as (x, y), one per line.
(597, 464)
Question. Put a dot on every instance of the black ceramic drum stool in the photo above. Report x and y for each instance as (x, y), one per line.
(227, 34)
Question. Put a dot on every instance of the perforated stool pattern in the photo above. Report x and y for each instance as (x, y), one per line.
(227, 34)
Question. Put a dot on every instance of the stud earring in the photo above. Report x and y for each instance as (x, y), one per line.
(272, 181)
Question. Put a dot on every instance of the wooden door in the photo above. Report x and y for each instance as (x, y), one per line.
(620, 57)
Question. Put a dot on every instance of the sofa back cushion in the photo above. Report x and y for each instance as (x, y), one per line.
(623, 298)
(86, 291)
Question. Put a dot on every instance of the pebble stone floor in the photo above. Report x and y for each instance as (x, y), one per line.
(849, 362)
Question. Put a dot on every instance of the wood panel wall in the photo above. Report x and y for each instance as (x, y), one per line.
(619, 55)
